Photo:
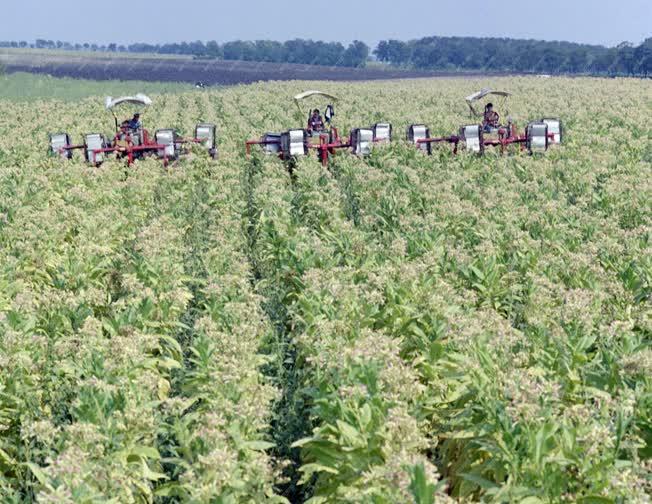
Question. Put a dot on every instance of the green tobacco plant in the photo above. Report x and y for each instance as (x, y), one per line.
(395, 328)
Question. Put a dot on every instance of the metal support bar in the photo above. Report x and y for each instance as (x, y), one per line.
(454, 139)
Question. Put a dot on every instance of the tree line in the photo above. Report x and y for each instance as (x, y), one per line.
(429, 53)
(307, 52)
(515, 55)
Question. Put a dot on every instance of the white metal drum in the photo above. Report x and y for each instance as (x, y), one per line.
(472, 138)
(362, 140)
(537, 137)
(382, 132)
(418, 132)
(94, 141)
(206, 132)
(57, 143)
(554, 127)
(167, 139)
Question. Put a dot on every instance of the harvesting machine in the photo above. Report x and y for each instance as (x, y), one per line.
(131, 140)
(492, 131)
(320, 134)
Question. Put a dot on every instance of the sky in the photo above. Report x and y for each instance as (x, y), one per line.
(157, 21)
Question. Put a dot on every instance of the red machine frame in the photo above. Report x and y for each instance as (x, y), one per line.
(329, 140)
(501, 136)
(131, 150)
(453, 139)
(123, 144)
(507, 135)
(327, 146)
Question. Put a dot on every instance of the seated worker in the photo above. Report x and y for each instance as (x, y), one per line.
(123, 133)
(134, 124)
(491, 118)
(315, 123)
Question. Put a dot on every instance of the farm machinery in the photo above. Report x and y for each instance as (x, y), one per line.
(320, 134)
(131, 140)
(492, 132)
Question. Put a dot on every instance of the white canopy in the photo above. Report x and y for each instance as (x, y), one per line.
(139, 99)
(484, 92)
(471, 99)
(308, 94)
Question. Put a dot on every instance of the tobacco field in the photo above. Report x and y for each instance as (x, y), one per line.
(397, 328)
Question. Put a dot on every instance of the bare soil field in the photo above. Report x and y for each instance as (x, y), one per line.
(182, 69)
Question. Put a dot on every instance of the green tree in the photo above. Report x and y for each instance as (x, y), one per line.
(643, 57)
(356, 55)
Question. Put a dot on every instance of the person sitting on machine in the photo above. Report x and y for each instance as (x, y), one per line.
(134, 124)
(315, 123)
(491, 118)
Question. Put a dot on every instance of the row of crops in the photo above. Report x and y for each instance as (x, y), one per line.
(398, 328)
